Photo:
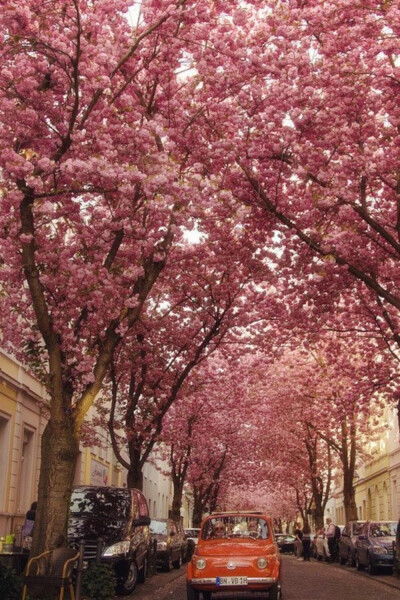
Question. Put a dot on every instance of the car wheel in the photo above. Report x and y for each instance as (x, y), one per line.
(359, 566)
(178, 562)
(370, 567)
(128, 585)
(275, 592)
(143, 571)
(191, 593)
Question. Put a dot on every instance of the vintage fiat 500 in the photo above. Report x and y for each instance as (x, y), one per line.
(236, 552)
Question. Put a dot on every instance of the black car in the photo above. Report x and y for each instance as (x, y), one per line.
(171, 543)
(285, 542)
(115, 523)
(374, 546)
(347, 549)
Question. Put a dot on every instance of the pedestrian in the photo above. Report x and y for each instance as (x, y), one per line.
(330, 531)
(298, 544)
(27, 528)
(219, 529)
(306, 542)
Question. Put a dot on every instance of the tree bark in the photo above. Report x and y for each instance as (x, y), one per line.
(60, 449)
(348, 457)
(135, 473)
(177, 501)
(198, 509)
(319, 516)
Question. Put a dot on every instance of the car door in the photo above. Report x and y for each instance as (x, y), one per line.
(183, 540)
(344, 542)
(174, 541)
(362, 545)
(140, 531)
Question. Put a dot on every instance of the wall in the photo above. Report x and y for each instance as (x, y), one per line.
(377, 485)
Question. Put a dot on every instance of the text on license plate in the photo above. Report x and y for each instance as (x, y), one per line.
(231, 581)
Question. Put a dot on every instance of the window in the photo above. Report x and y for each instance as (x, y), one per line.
(27, 469)
(5, 424)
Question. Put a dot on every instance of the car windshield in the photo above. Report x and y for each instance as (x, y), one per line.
(383, 529)
(106, 503)
(158, 527)
(235, 526)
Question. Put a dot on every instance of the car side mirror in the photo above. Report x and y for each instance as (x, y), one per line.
(142, 520)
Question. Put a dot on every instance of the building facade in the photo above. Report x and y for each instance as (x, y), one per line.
(22, 421)
(377, 482)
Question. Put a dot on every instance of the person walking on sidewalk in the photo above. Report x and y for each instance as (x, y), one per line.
(298, 544)
(306, 542)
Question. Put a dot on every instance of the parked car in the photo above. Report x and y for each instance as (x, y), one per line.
(236, 552)
(347, 549)
(192, 536)
(185, 541)
(374, 546)
(119, 517)
(171, 543)
(396, 551)
(285, 542)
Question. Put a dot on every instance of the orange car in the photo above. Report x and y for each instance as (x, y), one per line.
(236, 552)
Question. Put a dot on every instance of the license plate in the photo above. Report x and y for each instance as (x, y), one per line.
(231, 581)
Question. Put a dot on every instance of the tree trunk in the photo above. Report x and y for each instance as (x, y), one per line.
(177, 501)
(197, 511)
(349, 497)
(319, 516)
(348, 457)
(135, 473)
(60, 450)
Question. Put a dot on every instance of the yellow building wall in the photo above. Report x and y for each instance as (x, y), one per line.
(373, 497)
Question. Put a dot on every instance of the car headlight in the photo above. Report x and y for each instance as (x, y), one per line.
(200, 564)
(262, 563)
(119, 548)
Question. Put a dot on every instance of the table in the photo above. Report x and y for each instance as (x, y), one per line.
(15, 560)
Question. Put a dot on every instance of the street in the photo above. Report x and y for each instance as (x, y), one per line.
(301, 581)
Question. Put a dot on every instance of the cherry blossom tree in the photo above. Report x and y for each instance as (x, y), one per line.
(322, 402)
(284, 128)
(95, 194)
(210, 302)
(306, 118)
